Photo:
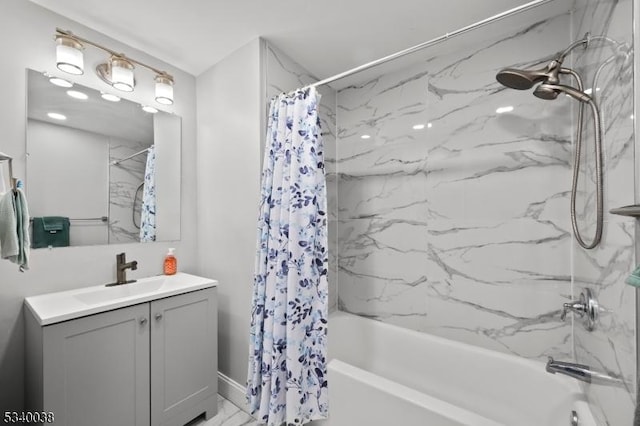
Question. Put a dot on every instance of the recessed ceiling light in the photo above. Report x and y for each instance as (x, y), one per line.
(60, 82)
(56, 116)
(109, 97)
(631, 116)
(418, 127)
(150, 109)
(504, 109)
(429, 125)
(365, 137)
(77, 95)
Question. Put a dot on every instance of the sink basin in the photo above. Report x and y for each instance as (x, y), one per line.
(52, 308)
(106, 294)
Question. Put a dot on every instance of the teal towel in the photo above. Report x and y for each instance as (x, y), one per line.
(53, 223)
(14, 228)
(9, 246)
(22, 219)
(634, 278)
(50, 231)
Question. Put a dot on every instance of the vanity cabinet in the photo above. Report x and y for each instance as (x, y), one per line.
(153, 363)
(184, 366)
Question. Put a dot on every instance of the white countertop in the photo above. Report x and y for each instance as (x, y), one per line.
(51, 308)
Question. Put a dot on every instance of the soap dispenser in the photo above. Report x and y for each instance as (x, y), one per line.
(170, 263)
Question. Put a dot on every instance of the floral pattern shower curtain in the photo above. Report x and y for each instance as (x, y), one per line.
(287, 378)
(148, 213)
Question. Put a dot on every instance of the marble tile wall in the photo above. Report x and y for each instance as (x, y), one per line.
(284, 75)
(461, 228)
(449, 218)
(124, 180)
(611, 346)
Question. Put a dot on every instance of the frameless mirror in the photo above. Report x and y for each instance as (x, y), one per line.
(99, 171)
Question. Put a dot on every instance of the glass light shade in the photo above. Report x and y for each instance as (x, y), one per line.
(164, 89)
(122, 74)
(69, 56)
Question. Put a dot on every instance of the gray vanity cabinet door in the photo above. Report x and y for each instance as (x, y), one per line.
(96, 369)
(183, 357)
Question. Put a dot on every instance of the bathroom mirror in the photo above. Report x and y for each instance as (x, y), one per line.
(93, 164)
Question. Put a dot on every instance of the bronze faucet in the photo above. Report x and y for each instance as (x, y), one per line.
(121, 270)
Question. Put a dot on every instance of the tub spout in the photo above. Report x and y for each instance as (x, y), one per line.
(581, 372)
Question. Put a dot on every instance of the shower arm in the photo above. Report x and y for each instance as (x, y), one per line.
(586, 41)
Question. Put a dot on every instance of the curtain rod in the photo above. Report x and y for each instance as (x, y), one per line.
(116, 162)
(459, 31)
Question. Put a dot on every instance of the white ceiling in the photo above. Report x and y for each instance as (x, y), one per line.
(124, 120)
(326, 37)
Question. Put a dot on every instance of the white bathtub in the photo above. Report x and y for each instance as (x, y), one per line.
(380, 374)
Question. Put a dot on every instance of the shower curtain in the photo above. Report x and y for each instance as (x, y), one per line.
(148, 210)
(287, 377)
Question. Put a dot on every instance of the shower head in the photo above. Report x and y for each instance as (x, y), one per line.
(515, 78)
(543, 91)
(551, 91)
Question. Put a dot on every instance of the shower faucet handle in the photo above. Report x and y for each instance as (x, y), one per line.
(586, 307)
(578, 308)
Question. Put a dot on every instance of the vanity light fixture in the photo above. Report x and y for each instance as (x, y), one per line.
(418, 127)
(149, 109)
(164, 89)
(118, 71)
(69, 57)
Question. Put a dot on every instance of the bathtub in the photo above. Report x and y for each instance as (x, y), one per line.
(381, 374)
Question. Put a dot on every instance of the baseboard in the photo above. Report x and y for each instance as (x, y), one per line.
(233, 391)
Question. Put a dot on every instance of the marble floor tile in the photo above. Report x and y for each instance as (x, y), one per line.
(228, 415)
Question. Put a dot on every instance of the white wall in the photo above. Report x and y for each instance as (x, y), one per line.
(230, 106)
(30, 29)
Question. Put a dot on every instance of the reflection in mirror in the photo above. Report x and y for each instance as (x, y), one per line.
(100, 169)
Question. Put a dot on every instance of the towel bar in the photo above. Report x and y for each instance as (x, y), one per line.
(101, 218)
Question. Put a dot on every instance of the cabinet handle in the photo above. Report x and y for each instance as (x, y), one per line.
(143, 321)
(158, 316)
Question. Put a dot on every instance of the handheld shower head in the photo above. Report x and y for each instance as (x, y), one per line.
(551, 91)
(543, 91)
(515, 78)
